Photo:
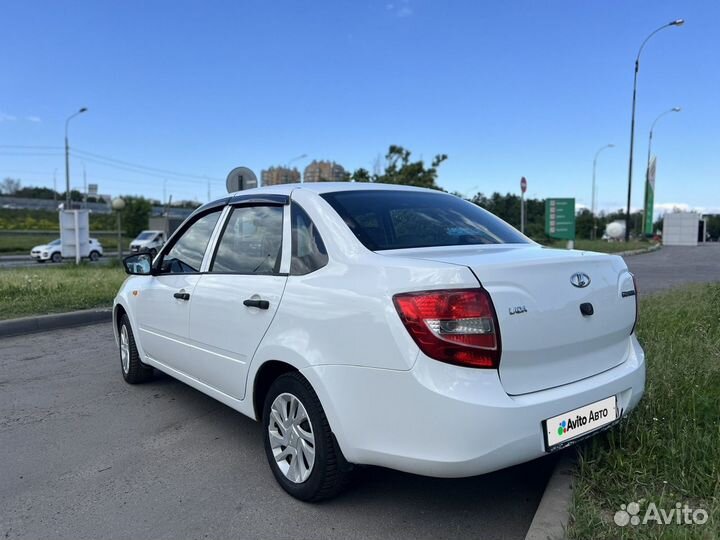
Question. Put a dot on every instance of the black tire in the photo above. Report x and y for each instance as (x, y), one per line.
(94, 256)
(56, 257)
(134, 371)
(153, 252)
(330, 472)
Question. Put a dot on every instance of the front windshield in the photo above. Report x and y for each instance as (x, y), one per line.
(145, 235)
(54, 243)
(390, 219)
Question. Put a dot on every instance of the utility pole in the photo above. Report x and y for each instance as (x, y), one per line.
(68, 203)
(84, 187)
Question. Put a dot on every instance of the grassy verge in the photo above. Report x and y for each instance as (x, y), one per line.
(603, 246)
(668, 451)
(57, 289)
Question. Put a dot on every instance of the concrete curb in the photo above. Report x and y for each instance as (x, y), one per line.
(553, 513)
(639, 251)
(43, 323)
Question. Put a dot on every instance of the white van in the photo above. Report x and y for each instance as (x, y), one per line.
(149, 242)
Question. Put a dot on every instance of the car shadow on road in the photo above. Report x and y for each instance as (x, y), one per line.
(396, 500)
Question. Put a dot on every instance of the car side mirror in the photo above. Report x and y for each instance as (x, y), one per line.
(138, 265)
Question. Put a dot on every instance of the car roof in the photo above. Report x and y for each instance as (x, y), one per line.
(328, 187)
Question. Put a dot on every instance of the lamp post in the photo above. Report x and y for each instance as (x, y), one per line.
(677, 22)
(296, 158)
(67, 158)
(648, 203)
(593, 202)
(118, 203)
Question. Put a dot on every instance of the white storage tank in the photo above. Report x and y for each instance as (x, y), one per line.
(683, 229)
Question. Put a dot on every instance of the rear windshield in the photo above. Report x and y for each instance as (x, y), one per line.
(387, 219)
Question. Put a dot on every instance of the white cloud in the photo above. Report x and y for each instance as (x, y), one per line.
(4, 117)
(404, 11)
(33, 119)
(401, 9)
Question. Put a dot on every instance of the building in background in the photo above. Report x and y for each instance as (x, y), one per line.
(279, 175)
(683, 229)
(324, 171)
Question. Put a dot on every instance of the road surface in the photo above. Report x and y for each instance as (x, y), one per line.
(84, 455)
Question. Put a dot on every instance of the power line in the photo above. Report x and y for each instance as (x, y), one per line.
(109, 162)
(136, 165)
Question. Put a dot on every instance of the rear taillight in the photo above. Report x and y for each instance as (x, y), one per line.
(637, 304)
(458, 326)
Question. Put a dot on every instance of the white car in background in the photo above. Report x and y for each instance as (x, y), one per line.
(149, 242)
(53, 251)
(383, 325)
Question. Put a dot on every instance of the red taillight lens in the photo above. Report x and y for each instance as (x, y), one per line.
(458, 326)
(637, 304)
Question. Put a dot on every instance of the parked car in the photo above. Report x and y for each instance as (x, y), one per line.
(148, 241)
(53, 251)
(368, 324)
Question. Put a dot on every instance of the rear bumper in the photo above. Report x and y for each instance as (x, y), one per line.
(447, 421)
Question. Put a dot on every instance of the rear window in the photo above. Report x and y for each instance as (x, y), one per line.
(387, 219)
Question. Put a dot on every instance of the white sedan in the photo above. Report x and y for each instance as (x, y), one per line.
(368, 324)
(53, 251)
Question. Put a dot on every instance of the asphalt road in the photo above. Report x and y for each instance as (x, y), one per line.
(84, 455)
(673, 266)
(23, 261)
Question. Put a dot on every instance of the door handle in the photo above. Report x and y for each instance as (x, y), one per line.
(182, 295)
(260, 304)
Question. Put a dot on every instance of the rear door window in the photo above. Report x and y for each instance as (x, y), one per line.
(251, 242)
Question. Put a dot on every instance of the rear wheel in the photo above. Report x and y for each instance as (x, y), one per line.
(56, 257)
(301, 450)
(133, 370)
(94, 256)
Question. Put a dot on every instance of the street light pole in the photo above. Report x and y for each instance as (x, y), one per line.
(67, 158)
(593, 196)
(647, 169)
(677, 22)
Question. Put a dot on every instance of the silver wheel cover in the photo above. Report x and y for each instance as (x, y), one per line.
(124, 349)
(292, 438)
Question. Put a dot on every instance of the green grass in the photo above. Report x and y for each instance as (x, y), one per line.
(42, 290)
(668, 451)
(603, 246)
(21, 244)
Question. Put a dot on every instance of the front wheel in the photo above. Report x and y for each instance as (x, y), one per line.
(94, 256)
(301, 450)
(133, 370)
(56, 257)
(153, 252)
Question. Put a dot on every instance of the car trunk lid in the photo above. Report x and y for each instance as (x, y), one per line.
(547, 341)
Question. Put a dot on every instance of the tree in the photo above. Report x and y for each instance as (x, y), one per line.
(37, 193)
(135, 216)
(9, 186)
(400, 170)
(361, 175)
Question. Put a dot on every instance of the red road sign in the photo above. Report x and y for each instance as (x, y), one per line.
(523, 184)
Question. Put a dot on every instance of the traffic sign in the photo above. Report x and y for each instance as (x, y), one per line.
(523, 184)
(560, 218)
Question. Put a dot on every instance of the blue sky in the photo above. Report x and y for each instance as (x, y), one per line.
(506, 89)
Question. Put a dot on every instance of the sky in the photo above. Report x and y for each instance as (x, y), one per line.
(505, 89)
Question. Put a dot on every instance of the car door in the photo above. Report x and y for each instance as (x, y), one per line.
(163, 306)
(234, 302)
